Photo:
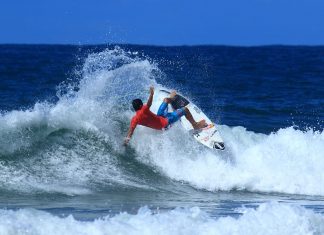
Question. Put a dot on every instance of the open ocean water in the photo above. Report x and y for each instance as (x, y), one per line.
(65, 110)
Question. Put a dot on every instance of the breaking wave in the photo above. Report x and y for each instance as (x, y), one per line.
(74, 146)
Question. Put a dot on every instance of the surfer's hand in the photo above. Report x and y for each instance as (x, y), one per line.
(152, 89)
(126, 140)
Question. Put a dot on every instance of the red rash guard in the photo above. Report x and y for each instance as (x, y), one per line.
(145, 117)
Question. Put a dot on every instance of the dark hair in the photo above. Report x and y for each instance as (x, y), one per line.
(137, 104)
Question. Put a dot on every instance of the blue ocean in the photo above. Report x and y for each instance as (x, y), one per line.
(65, 110)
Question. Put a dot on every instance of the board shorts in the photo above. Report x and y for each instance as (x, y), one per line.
(173, 116)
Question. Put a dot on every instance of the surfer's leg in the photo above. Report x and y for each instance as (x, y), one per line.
(169, 99)
(195, 125)
(175, 115)
(163, 109)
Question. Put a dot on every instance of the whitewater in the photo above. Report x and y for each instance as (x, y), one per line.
(266, 219)
(73, 148)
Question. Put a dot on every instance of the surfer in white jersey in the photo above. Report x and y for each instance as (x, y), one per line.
(163, 119)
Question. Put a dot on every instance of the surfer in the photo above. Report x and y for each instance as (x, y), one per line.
(161, 120)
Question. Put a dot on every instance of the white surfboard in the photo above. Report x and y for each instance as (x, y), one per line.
(208, 136)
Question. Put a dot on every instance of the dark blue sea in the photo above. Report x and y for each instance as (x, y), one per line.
(65, 110)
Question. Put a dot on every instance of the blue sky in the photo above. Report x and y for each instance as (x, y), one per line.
(163, 22)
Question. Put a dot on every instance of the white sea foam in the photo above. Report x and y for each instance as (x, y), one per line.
(288, 161)
(270, 218)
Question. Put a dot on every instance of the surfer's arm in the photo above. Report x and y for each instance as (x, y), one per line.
(129, 134)
(150, 99)
(131, 130)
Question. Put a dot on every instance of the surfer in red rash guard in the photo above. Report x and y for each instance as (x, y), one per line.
(162, 119)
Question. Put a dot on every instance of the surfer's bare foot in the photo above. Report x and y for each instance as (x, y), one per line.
(200, 124)
(173, 94)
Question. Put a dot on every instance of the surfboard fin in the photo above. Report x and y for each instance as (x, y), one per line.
(218, 145)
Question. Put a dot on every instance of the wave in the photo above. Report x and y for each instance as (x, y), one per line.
(76, 142)
(266, 219)
(74, 146)
(287, 161)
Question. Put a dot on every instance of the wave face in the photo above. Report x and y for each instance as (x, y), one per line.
(74, 146)
(266, 219)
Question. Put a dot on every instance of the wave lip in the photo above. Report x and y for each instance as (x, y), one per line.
(266, 219)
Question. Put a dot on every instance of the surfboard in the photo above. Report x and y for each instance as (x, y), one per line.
(209, 135)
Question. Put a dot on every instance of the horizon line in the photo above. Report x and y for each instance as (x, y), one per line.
(157, 45)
